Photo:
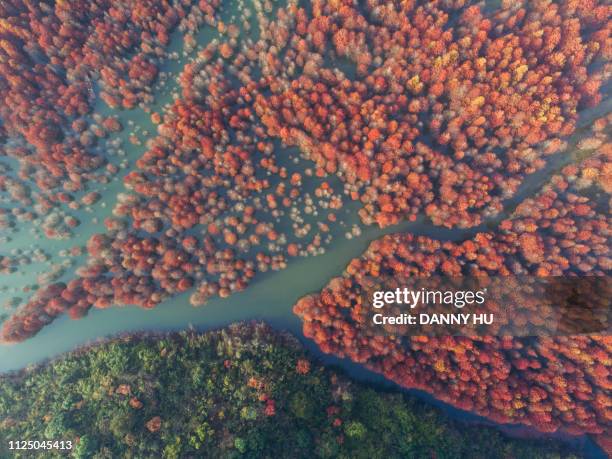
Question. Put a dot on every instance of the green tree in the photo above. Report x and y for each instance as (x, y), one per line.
(84, 448)
(301, 406)
(240, 444)
(355, 429)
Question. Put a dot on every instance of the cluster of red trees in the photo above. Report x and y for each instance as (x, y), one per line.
(52, 55)
(439, 110)
(447, 107)
(551, 382)
(212, 165)
(439, 118)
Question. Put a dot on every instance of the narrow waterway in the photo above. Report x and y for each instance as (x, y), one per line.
(270, 297)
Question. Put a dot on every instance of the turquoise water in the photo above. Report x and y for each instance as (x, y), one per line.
(270, 297)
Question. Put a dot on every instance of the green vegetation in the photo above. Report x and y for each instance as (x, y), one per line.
(244, 391)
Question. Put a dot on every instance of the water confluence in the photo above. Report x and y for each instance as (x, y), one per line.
(269, 297)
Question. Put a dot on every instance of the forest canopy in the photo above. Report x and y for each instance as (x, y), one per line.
(243, 391)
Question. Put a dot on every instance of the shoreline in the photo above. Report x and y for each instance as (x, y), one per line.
(583, 443)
